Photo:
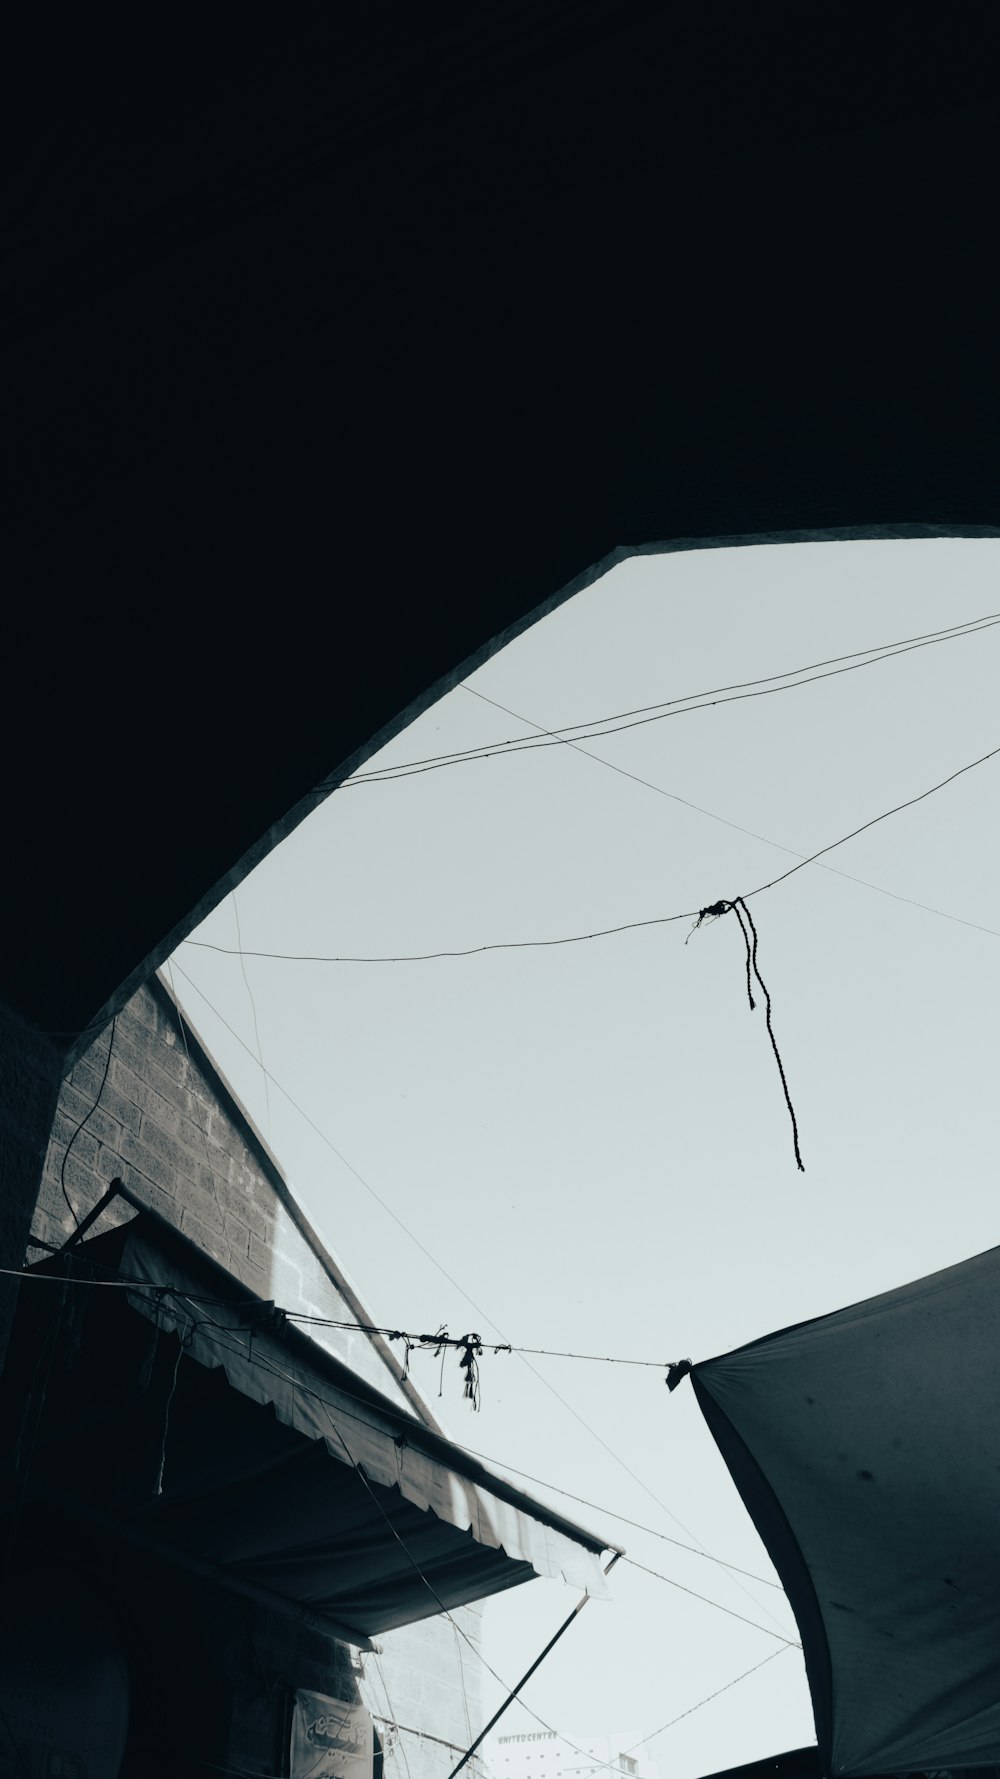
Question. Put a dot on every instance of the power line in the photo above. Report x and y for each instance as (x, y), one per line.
(637, 1525)
(658, 1576)
(253, 1010)
(202, 1122)
(426, 957)
(737, 827)
(614, 725)
(453, 1282)
(886, 813)
(949, 633)
(84, 1122)
(253, 1356)
(636, 1478)
(595, 1766)
(137, 1286)
(484, 1346)
(710, 1696)
(624, 926)
(788, 1643)
(393, 1720)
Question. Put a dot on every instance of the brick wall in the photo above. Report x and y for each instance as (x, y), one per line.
(160, 1117)
(170, 1127)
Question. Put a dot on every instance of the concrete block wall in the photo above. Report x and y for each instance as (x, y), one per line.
(160, 1117)
(168, 1125)
(425, 1693)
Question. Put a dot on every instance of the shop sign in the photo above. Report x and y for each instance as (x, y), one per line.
(330, 1740)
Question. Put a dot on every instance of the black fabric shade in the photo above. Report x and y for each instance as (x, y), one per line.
(866, 1446)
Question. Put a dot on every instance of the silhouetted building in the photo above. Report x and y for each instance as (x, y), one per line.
(237, 1536)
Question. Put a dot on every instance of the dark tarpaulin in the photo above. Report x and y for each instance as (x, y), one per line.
(866, 1446)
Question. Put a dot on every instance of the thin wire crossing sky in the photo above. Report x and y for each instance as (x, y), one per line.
(584, 1147)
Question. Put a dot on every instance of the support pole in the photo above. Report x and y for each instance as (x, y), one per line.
(115, 1190)
(512, 1695)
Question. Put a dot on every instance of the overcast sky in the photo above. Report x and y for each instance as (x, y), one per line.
(590, 1141)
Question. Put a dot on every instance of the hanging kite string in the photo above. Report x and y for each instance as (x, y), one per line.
(750, 957)
(738, 906)
(743, 912)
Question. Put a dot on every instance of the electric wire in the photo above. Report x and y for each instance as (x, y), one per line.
(628, 926)
(84, 1122)
(612, 1765)
(604, 1358)
(465, 1691)
(613, 1513)
(595, 1766)
(615, 1455)
(359, 1470)
(644, 1486)
(986, 622)
(709, 1697)
(327, 1140)
(909, 803)
(658, 1576)
(673, 707)
(202, 1124)
(136, 1285)
(253, 1011)
(253, 1356)
(408, 1729)
(737, 827)
(52, 1278)
(256, 1359)
(949, 633)
(393, 1719)
(486, 1346)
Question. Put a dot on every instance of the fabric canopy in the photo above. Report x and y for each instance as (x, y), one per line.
(250, 1455)
(866, 1446)
(392, 1450)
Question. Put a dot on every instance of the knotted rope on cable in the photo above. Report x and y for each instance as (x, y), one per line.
(471, 1346)
(470, 1349)
(738, 906)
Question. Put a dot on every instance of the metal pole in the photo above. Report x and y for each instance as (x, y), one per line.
(115, 1190)
(512, 1695)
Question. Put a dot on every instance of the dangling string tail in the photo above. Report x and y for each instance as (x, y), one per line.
(745, 919)
(471, 1345)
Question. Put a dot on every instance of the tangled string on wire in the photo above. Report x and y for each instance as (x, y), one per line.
(469, 1346)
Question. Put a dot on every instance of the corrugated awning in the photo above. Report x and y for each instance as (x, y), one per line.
(280, 1473)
